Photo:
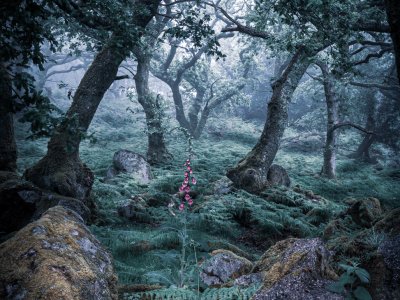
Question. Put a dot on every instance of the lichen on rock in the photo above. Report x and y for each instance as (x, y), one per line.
(56, 257)
(224, 266)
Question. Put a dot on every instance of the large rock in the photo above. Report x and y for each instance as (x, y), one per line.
(277, 175)
(365, 212)
(125, 161)
(56, 257)
(224, 266)
(296, 269)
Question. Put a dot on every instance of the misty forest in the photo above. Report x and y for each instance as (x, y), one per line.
(190, 149)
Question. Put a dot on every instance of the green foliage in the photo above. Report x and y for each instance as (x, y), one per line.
(351, 283)
(232, 293)
(194, 25)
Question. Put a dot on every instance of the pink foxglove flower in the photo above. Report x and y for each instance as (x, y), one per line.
(185, 187)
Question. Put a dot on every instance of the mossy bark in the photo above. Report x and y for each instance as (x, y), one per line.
(393, 15)
(252, 171)
(362, 152)
(332, 109)
(8, 147)
(61, 170)
(157, 150)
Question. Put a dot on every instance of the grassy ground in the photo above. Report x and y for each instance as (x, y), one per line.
(148, 250)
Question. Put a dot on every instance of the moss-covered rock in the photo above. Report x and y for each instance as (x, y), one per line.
(365, 211)
(56, 257)
(295, 269)
(390, 223)
(277, 175)
(223, 266)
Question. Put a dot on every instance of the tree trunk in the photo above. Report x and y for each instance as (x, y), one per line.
(362, 152)
(179, 110)
(61, 170)
(393, 15)
(157, 150)
(8, 147)
(251, 172)
(194, 110)
(332, 108)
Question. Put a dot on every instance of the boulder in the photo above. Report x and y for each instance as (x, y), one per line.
(134, 164)
(365, 212)
(277, 175)
(56, 257)
(22, 202)
(224, 266)
(296, 269)
(222, 186)
(18, 200)
(249, 279)
(130, 209)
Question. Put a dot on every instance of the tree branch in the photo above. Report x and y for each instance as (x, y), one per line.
(339, 125)
(375, 85)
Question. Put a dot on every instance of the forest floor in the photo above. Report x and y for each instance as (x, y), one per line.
(147, 249)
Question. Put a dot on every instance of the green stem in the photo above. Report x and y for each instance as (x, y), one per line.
(198, 271)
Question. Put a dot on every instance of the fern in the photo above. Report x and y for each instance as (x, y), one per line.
(231, 293)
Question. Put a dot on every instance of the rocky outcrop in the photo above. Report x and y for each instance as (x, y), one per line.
(56, 257)
(224, 266)
(125, 161)
(295, 269)
(277, 175)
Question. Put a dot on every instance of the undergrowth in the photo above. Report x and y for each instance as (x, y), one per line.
(145, 249)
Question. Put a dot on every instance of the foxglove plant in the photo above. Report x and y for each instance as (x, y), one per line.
(188, 180)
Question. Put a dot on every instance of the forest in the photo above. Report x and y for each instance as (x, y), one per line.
(190, 149)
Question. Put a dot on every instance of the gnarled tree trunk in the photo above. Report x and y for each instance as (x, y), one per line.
(362, 151)
(61, 170)
(251, 172)
(332, 107)
(393, 15)
(8, 148)
(157, 150)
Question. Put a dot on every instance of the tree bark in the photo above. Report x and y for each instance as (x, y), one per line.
(157, 150)
(332, 108)
(362, 152)
(251, 172)
(8, 147)
(393, 15)
(61, 170)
